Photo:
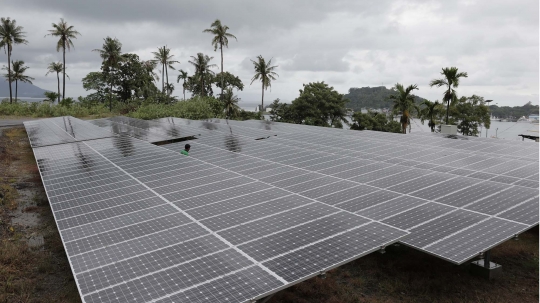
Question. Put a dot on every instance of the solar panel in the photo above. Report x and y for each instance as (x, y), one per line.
(142, 223)
(384, 183)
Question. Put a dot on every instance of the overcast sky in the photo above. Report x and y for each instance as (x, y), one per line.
(353, 43)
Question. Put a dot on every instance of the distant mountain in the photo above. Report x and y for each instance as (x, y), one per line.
(25, 90)
(371, 97)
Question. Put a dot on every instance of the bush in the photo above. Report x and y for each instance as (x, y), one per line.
(47, 109)
(196, 108)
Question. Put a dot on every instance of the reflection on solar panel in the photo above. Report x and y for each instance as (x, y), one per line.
(61, 130)
(142, 223)
(150, 131)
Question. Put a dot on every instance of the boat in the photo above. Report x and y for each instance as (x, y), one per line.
(523, 120)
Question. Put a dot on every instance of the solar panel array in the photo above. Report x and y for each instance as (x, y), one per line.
(141, 223)
(457, 198)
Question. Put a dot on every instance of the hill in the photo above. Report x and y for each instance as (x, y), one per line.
(25, 90)
(371, 97)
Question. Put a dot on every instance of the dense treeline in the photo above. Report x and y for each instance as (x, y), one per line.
(372, 97)
(515, 112)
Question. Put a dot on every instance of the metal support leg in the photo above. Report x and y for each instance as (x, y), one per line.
(487, 259)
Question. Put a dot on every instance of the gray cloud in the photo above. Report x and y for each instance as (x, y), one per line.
(345, 43)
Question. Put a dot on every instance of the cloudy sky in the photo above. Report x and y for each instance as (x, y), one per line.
(346, 43)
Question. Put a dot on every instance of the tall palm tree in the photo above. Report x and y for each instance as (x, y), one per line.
(203, 70)
(264, 72)
(220, 39)
(429, 112)
(183, 76)
(10, 34)
(17, 74)
(404, 104)
(56, 67)
(230, 103)
(111, 53)
(451, 80)
(164, 57)
(66, 33)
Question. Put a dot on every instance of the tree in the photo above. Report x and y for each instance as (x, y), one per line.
(96, 81)
(111, 54)
(150, 65)
(229, 80)
(319, 104)
(230, 103)
(133, 79)
(283, 112)
(404, 104)
(374, 121)
(183, 76)
(17, 74)
(430, 112)
(10, 34)
(469, 113)
(164, 57)
(56, 67)
(451, 81)
(51, 96)
(203, 73)
(66, 33)
(220, 39)
(264, 72)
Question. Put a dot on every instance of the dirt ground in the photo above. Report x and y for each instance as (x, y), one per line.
(34, 267)
(33, 264)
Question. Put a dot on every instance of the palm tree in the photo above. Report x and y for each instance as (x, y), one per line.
(451, 80)
(220, 39)
(66, 33)
(404, 104)
(265, 72)
(18, 74)
(183, 76)
(163, 57)
(56, 67)
(430, 112)
(10, 34)
(230, 103)
(202, 69)
(111, 53)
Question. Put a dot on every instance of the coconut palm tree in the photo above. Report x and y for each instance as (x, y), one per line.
(264, 72)
(66, 33)
(10, 34)
(230, 103)
(220, 39)
(111, 53)
(56, 67)
(404, 104)
(203, 70)
(451, 80)
(17, 74)
(164, 57)
(429, 112)
(183, 76)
